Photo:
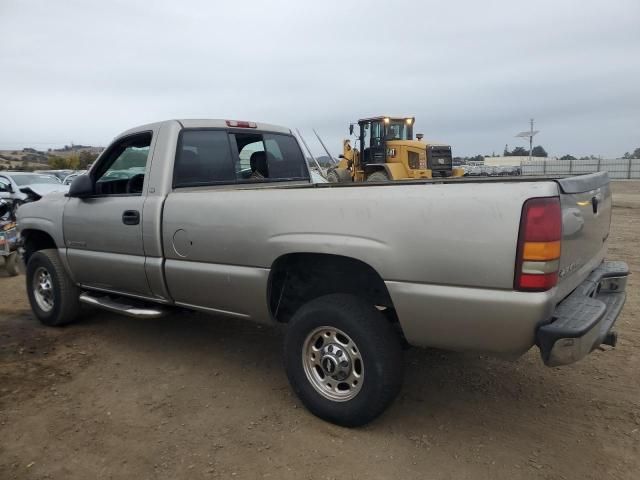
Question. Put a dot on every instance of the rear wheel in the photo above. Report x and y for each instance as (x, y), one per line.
(343, 359)
(52, 294)
(378, 176)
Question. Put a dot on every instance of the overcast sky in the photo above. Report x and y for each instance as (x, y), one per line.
(472, 72)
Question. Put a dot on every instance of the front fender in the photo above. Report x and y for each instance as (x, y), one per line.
(396, 171)
(45, 215)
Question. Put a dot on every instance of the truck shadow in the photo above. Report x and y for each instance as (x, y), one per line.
(440, 388)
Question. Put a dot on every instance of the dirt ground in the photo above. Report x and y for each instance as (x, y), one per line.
(190, 396)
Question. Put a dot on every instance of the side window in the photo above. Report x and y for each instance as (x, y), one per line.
(203, 158)
(285, 157)
(124, 169)
(209, 157)
(268, 157)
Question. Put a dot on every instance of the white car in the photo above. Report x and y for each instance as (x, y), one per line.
(69, 178)
(18, 185)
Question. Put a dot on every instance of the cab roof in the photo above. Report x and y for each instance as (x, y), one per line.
(224, 123)
(210, 123)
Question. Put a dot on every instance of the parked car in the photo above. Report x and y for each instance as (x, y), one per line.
(59, 174)
(8, 236)
(521, 265)
(69, 178)
(21, 186)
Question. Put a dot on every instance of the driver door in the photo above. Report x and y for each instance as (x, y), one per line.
(103, 232)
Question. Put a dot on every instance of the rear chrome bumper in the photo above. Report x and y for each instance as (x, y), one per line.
(584, 320)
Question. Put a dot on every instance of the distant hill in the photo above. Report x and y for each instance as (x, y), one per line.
(68, 151)
(30, 158)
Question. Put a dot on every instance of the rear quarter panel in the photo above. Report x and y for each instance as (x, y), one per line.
(445, 234)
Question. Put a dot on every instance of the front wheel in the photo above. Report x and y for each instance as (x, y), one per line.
(379, 176)
(333, 177)
(52, 294)
(343, 359)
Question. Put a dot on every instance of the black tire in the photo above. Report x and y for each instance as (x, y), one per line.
(64, 292)
(379, 348)
(11, 264)
(333, 177)
(378, 176)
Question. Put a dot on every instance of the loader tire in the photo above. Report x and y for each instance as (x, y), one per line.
(333, 176)
(379, 176)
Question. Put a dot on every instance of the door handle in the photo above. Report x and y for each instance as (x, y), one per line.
(131, 217)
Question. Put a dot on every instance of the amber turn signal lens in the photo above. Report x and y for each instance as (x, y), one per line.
(541, 250)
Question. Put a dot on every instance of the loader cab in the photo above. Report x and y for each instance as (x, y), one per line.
(375, 132)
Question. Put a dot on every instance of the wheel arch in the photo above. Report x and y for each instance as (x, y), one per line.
(376, 167)
(34, 240)
(297, 278)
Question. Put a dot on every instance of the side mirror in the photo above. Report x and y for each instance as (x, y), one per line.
(351, 129)
(82, 186)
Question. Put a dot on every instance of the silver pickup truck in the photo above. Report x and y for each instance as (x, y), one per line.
(220, 216)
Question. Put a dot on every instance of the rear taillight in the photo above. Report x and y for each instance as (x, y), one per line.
(538, 256)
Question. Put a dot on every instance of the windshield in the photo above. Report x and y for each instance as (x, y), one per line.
(33, 178)
(397, 130)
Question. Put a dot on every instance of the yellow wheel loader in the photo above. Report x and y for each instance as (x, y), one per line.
(389, 152)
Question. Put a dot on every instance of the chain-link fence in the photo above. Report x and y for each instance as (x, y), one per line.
(617, 168)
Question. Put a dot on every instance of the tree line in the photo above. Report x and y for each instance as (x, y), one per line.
(537, 151)
(626, 156)
(75, 161)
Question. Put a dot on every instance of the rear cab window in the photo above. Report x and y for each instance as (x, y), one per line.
(219, 156)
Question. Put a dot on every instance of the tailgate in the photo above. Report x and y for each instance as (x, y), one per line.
(586, 217)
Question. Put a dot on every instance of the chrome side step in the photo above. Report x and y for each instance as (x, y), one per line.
(112, 305)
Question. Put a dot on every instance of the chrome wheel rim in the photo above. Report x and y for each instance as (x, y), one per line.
(333, 364)
(43, 289)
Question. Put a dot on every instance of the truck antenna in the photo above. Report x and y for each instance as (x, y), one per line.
(311, 154)
(324, 146)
